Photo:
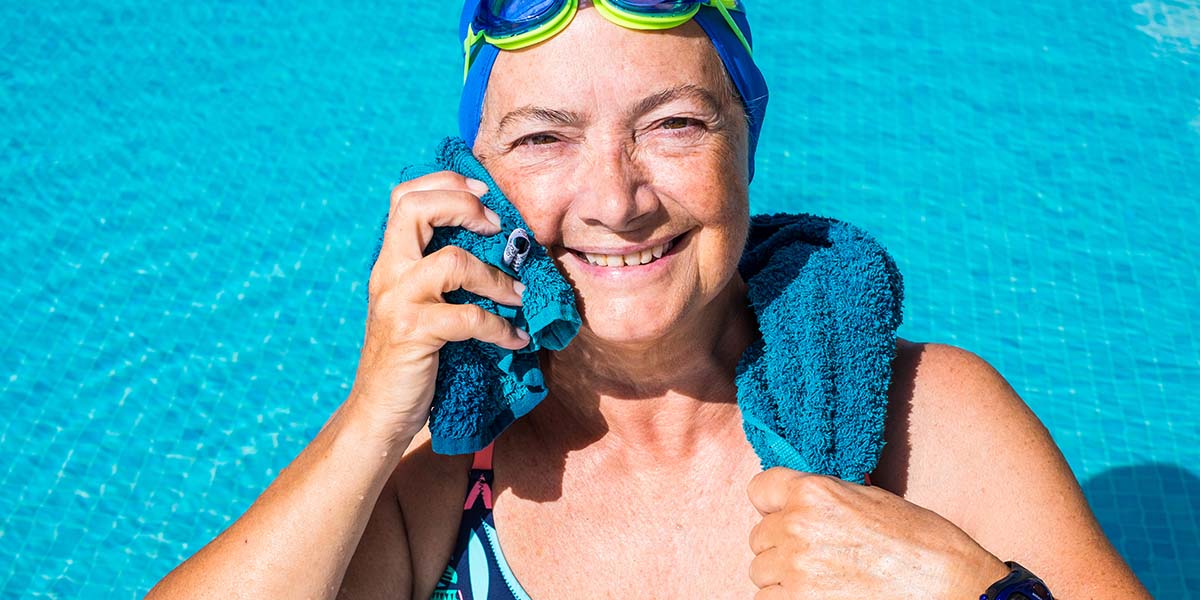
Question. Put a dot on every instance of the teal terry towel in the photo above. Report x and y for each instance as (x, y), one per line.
(813, 388)
(482, 388)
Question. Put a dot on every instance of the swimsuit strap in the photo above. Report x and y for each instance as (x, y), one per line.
(483, 458)
(481, 478)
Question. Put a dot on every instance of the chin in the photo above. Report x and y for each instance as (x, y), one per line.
(629, 321)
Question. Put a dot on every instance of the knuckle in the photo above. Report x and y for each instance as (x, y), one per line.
(375, 285)
(474, 317)
(797, 564)
(811, 486)
(443, 179)
(403, 325)
(394, 322)
(758, 483)
(453, 262)
(399, 190)
(794, 524)
(406, 197)
(408, 202)
(381, 288)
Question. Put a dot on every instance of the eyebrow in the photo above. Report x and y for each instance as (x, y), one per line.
(540, 113)
(686, 91)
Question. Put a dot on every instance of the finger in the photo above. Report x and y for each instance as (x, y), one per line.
(452, 268)
(772, 592)
(415, 215)
(441, 180)
(769, 490)
(766, 534)
(768, 568)
(459, 322)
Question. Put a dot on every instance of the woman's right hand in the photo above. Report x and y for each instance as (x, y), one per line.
(408, 320)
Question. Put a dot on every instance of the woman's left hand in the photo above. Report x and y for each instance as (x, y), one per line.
(821, 537)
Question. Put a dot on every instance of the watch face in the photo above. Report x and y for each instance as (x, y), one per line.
(1040, 592)
(1027, 589)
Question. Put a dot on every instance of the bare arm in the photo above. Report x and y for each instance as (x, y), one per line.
(297, 540)
(963, 444)
(294, 541)
(969, 478)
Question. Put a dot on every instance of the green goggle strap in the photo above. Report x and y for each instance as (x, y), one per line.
(615, 15)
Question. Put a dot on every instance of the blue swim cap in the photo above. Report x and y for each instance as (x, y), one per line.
(738, 63)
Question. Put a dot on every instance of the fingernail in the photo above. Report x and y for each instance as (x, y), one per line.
(521, 333)
(519, 288)
(480, 188)
(491, 216)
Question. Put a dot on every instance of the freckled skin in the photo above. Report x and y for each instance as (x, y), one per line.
(630, 478)
(619, 178)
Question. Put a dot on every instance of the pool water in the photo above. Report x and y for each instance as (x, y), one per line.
(192, 191)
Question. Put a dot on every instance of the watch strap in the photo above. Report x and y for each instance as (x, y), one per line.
(1019, 584)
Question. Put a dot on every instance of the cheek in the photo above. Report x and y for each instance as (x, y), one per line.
(537, 198)
(717, 200)
(711, 189)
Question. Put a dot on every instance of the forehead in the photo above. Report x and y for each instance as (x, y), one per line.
(596, 59)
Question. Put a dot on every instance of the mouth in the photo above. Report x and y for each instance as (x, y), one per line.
(637, 258)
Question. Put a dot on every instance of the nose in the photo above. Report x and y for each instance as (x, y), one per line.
(613, 188)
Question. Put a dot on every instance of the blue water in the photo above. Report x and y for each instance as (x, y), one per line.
(191, 193)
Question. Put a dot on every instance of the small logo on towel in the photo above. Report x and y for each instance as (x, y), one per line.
(517, 249)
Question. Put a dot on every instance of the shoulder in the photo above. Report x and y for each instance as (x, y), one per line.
(954, 421)
(940, 373)
(947, 386)
(963, 444)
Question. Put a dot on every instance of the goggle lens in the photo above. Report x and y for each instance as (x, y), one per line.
(504, 18)
(501, 19)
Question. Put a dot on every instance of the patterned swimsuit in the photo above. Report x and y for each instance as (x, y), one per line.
(477, 569)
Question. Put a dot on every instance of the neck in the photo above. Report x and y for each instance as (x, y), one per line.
(660, 401)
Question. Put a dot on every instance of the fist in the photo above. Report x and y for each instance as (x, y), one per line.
(821, 537)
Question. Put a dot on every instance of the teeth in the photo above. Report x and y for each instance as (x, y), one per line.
(642, 257)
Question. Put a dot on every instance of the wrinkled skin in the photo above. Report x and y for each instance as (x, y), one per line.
(590, 169)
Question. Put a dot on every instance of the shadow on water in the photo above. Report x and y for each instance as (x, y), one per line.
(1151, 513)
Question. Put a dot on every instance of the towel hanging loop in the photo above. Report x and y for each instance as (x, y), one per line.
(516, 249)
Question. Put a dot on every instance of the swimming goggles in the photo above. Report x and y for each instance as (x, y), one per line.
(516, 24)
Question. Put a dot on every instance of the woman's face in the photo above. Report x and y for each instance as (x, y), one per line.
(613, 143)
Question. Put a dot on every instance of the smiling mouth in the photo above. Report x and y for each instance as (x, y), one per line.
(636, 259)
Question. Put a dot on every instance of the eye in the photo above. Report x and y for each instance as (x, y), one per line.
(677, 123)
(537, 139)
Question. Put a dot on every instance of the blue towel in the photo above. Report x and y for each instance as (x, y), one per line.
(482, 388)
(813, 388)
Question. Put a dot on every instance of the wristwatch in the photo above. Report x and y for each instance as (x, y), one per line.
(1020, 584)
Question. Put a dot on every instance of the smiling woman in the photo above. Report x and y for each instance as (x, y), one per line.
(628, 150)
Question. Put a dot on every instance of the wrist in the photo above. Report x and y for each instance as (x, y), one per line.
(1019, 584)
(375, 437)
(978, 574)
